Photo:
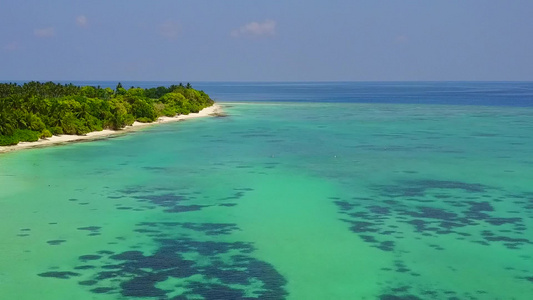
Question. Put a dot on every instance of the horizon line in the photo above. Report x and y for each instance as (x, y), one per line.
(265, 81)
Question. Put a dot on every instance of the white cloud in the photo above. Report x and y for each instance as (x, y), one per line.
(45, 32)
(13, 46)
(256, 29)
(82, 21)
(170, 30)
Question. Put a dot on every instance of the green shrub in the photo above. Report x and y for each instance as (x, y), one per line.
(26, 135)
(45, 134)
(69, 123)
(81, 129)
(56, 130)
(35, 123)
(143, 109)
(94, 124)
(8, 140)
(183, 111)
(128, 120)
(144, 120)
(169, 111)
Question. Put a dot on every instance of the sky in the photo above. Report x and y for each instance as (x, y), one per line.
(257, 40)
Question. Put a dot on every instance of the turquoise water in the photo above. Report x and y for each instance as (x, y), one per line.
(279, 201)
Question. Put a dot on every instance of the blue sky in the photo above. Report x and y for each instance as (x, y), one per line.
(250, 40)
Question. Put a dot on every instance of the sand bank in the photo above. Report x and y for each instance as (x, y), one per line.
(62, 139)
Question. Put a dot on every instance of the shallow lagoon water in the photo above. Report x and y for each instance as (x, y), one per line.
(279, 201)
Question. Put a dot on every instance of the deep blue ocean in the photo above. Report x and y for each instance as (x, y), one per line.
(519, 94)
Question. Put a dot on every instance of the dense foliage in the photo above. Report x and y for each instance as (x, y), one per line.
(37, 110)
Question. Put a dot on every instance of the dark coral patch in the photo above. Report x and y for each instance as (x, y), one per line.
(502, 221)
(217, 291)
(230, 271)
(185, 208)
(128, 255)
(416, 188)
(84, 267)
(395, 297)
(143, 286)
(166, 200)
(449, 207)
(211, 228)
(89, 257)
(386, 246)
(345, 205)
(88, 282)
(90, 228)
(433, 213)
(171, 202)
(60, 275)
(55, 242)
(102, 290)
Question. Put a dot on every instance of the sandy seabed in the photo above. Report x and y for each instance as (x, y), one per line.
(95, 135)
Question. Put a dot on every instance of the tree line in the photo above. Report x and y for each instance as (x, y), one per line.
(36, 110)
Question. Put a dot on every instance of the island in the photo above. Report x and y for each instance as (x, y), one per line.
(35, 110)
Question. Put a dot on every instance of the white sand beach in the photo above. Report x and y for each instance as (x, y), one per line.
(62, 139)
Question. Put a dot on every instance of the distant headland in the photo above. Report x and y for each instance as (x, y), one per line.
(39, 114)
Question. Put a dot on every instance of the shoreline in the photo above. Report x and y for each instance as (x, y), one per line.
(97, 135)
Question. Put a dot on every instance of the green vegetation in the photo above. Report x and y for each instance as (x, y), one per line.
(37, 110)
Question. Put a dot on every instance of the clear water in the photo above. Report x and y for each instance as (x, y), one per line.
(283, 200)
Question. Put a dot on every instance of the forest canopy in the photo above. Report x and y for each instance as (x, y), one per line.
(36, 110)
